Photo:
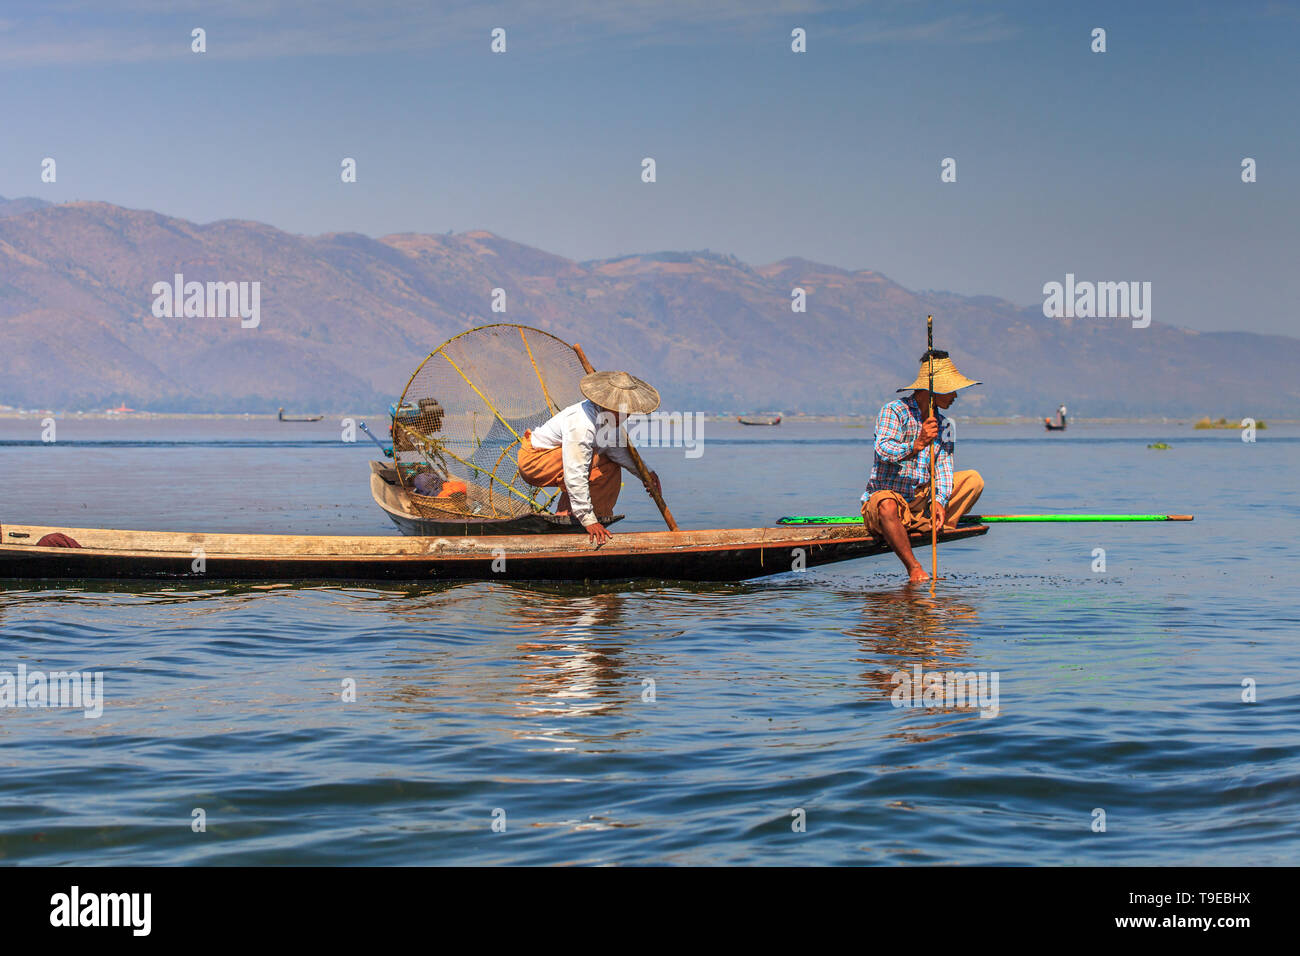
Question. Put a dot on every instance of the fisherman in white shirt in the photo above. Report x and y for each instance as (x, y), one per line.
(583, 448)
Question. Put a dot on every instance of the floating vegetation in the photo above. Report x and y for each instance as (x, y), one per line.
(1160, 446)
(1224, 423)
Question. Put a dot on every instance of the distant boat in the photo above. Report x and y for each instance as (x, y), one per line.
(1059, 424)
(759, 419)
(300, 418)
(120, 410)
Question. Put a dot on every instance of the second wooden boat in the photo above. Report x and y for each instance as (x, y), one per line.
(416, 514)
(731, 554)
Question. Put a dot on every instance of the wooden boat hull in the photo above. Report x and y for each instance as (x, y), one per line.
(717, 555)
(400, 506)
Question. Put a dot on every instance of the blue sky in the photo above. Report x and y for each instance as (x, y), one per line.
(1116, 166)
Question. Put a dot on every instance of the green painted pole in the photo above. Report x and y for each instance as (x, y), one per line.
(990, 519)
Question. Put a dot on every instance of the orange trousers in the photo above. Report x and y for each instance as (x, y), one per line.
(967, 486)
(544, 468)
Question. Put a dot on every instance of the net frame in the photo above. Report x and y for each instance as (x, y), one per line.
(482, 383)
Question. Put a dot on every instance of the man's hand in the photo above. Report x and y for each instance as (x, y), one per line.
(940, 515)
(598, 534)
(929, 432)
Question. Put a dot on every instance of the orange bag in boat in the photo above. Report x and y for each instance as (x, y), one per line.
(452, 487)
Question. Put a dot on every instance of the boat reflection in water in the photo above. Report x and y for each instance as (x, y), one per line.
(571, 665)
(532, 659)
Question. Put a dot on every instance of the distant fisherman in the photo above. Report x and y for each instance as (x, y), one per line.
(897, 499)
(583, 448)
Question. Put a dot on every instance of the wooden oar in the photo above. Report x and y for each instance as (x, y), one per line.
(934, 449)
(642, 471)
(990, 519)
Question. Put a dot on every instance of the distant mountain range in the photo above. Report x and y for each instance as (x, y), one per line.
(346, 318)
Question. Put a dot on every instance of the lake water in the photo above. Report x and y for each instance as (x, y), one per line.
(771, 706)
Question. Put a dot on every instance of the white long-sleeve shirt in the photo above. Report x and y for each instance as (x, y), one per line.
(582, 431)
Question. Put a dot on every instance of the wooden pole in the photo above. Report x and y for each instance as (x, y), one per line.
(934, 527)
(642, 471)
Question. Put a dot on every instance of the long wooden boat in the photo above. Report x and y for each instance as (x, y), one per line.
(423, 516)
(759, 419)
(731, 554)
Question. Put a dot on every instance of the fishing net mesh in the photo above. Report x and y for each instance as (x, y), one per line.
(464, 413)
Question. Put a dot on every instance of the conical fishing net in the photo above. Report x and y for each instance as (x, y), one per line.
(457, 429)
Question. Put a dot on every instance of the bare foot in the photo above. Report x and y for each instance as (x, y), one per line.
(917, 575)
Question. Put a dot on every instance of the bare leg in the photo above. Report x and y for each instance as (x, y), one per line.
(891, 526)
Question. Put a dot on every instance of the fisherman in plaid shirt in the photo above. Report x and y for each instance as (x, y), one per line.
(897, 500)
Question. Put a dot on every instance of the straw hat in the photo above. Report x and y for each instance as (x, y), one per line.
(620, 392)
(946, 377)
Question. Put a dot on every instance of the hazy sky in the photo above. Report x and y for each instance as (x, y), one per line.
(1123, 165)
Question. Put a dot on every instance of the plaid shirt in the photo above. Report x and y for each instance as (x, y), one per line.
(897, 427)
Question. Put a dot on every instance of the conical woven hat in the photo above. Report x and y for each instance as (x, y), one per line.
(946, 377)
(620, 392)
